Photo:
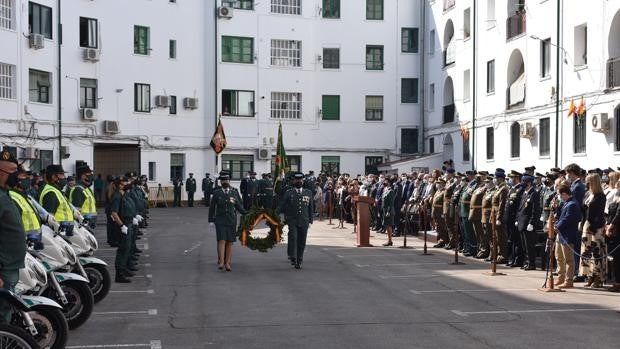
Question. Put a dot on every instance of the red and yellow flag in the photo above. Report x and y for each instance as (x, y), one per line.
(218, 141)
(582, 108)
(572, 108)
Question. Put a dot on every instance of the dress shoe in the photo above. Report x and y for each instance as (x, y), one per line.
(293, 261)
(133, 268)
(227, 267)
(389, 243)
(439, 244)
(449, 247)
(488, 259)
(500, 261)
(129, 273)
(567, 284)
(529, 267)
(297, 265)
(220, 266)
(579, 278)
(121, 279)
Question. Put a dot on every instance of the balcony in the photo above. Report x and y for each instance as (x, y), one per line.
(515, 94)
(449, 54)
(613, 72)
(448, 4)
(449, 112)
(515, 25)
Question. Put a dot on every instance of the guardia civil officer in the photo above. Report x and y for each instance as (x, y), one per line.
(190, 188)
(54, 202)
(207, 188)
(177, 184)
(122, 210)
(297, 207)
(82, 197)
(225, 203)
(12, 241)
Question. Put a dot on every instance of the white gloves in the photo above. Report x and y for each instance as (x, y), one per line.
(51, 221)
(124, 229)
(78, 216)
(530, 227)
(135, 221)
(516, 224)
(140, 218)
(541, 219)
(497, 222)
(211, 225)
(281, 217)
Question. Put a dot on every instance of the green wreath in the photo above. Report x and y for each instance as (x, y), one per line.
(251, 220)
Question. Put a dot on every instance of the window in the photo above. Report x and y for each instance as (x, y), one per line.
(579, 134)
(7, 14)
(177, 166)
(330, 165)
(466, 23)
(285, 105)
(237, 165)
(374, 57)
(515, 140)
(330, 107)
(172, 51)
(152, 171)
(331, 8)
(431, 145)
(545, 58)
(491, 13)
(40, 19)
(374, 108)
(544, 137)
(286, 53)
(237, 103)
(466, 85)
(491, 76)
(409, 140)
(431, 46)
(331, 58)
(409, 40)
(88, 93)
(465, 149)
(409, 90)
(581, 45)
(237, 49)
(287, 7)
(490, 143)
(371, 164)
(46, 158)
(12, 150)
(374, 9)
(142, 98)
(88, 32)
(7, 81)
(141, 40)
(173, 105)
(431, 97)
(294, 163)
(40, 83)
(242, 4)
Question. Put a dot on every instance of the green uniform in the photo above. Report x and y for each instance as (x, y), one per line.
(475, 217)
(124, 206)
(438, 217)
(190, 188)
(499, 201)
(448, 211)
(297, 206)
(207, 190)
(225, 203)
(83, 198)
(468, 228)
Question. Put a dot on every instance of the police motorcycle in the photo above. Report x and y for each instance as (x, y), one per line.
(69, 289)
(14, 337)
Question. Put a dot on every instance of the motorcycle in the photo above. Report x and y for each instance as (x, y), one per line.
(94, 269)
(51, 326)
(15, 337)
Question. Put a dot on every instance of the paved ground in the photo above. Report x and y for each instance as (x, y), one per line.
(345, 297)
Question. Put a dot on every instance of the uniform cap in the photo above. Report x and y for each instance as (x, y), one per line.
(298, 175)
(471, 173)
(5, 155)
(538, 175)
(130, 174)
(54, 169)
(531, 168)
(80, 170)
(514, 173)
(500, 173)
(527, 178)
(224, 176)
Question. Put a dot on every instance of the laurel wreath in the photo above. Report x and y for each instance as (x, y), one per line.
(251, 220)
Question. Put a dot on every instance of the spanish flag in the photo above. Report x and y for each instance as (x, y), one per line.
(572, 108)
(218, 142)
(581, 111)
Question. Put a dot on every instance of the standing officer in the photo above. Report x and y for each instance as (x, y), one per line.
(207, 189)
(515, 248)
(448, 209)
(500, 198)
(437, 213)
(12, 236)
(471, 245)
(529, 211)
(222, 215)
(190, 188)
(297, 207)
(475, 217)
(487, 224)
(177, 183)
(53, 200)
(123, 211)
(81, 196)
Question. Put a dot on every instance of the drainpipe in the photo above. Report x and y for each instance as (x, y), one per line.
(215, 104)
(557, 87)
(59, 83)
(422, 79)
(474, 87)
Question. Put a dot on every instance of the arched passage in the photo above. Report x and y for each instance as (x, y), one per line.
(449, 109)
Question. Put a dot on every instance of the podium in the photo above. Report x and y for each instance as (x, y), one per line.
(362, 204)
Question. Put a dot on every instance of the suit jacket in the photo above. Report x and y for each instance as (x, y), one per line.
(224, 207)
(529, 209)
(190, 185)
(578, 189)
(500, 196)
(297, 207)
(568, 223)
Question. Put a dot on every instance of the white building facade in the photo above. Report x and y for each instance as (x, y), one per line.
(122, 85)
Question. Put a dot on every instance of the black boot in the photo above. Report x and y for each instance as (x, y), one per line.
(121, 278)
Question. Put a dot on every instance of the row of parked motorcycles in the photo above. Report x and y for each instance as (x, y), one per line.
(57, 289)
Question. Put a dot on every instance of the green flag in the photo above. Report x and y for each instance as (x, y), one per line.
(281, 160)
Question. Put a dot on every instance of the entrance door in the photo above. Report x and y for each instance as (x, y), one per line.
(116, 159)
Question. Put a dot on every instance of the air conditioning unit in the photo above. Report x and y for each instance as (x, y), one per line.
(225, 12)
(91, 54)
(65, 152)
(162, 101)
(264, 153)
(89, 114)
(31, 153)
(600, 123)
(110, 127)
(37, 41)
(527, 131)
(190, 103)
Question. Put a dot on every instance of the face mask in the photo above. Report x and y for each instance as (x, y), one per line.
(298, 184)
(567, 177)
(24, 184)
(90, 178)
(61, 183)
(510, 182)
(12, 179)
(605, 179)
(494, 181)
(225, 184)
(490, 185)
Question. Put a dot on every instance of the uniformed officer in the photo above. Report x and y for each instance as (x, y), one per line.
(225, 203)
(54, 202)
(177, 184)
(475, 217)
(190, 188)
(448, 209)
(527, 215)
(12, 241)
(515, 248)
(122, 210)
(82, 197)
(207, 189)
(249, 189)
(437, 213)
(297, 207)
(265, 192)
(499, 200)
(487, 208)
(470, 242)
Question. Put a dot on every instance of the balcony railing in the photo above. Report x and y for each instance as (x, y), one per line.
(515, 25)
(613, 72)
(448, 4)
(449, 112)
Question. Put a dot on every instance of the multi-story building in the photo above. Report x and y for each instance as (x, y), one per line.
(503, 79)
(122, 85)
(342, 77)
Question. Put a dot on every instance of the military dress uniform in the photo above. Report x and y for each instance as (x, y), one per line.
(475, 217)
(487, 224)
(249, 189)
(500, 197)
(225, 203)
(471, 244)
(297, 207)
(190, 188)
(207, 189)
(438, 217)
(515, 248)
(529, 211)
(449, 213)
(123, 205)
(177, 183)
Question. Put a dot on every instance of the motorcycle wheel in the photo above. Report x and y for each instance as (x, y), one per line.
(51, 325)
(80, 302)
(99, 280)
(15, 337)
